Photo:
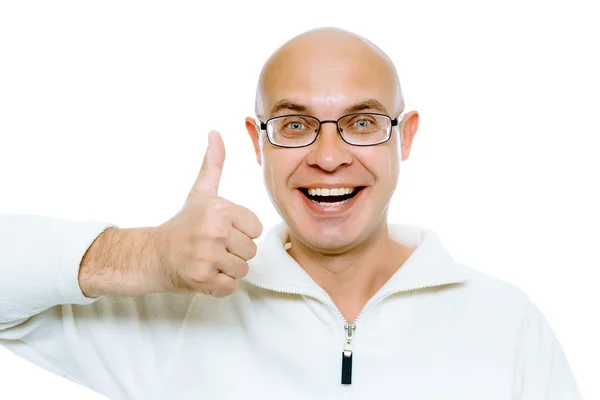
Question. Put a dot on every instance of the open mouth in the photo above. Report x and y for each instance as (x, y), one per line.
(331, 197)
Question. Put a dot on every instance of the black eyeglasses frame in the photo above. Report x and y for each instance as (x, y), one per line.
(394, 122)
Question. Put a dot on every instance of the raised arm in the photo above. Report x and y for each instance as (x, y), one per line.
(202, 249)
(61, 280)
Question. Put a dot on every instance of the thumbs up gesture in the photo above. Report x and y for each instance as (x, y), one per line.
(205, 247)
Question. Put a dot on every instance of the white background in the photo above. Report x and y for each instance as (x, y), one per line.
(105, 108)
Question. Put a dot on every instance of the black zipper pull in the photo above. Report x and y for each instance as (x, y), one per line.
(347, 355)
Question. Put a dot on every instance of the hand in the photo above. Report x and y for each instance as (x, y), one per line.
(206, 246)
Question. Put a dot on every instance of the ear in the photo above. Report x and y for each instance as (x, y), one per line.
(254, 132)
(408, 129)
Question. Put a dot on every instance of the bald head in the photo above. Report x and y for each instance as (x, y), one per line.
(311, 61)
(334, 76)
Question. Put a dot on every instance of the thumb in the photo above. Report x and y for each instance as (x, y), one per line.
(210, 173)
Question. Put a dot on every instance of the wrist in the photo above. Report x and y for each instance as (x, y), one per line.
(122, 262)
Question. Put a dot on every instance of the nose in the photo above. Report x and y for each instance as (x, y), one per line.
(329, 152)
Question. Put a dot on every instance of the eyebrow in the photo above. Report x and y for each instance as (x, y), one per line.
(286, 104)
(369, 104)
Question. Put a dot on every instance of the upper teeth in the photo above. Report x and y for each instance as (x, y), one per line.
(330, 192)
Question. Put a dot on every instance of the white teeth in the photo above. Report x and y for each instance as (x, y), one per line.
(337, 203)
(330, 192)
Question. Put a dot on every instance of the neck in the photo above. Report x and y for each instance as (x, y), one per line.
(351, 278)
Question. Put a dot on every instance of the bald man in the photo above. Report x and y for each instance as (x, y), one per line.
(335, 303)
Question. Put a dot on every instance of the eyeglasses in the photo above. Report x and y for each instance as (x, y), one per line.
(364, 129)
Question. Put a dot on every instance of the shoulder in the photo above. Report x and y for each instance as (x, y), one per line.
(489, 293)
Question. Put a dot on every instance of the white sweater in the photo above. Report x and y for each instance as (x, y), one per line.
(437, 329)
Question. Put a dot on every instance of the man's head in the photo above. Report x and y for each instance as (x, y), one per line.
(329, 73)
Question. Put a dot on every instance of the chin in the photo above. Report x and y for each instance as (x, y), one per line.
(328, 244)
(328, 237)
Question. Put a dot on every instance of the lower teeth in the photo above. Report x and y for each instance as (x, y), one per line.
(337, 203)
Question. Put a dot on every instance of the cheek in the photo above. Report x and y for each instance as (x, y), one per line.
(388, 173)
(393, 166)
(278, 166)
(269, 161)
(269, 175)
(383, 163)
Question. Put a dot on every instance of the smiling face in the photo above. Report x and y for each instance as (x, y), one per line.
(332, 195)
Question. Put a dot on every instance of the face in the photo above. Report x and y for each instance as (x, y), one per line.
(328, 85)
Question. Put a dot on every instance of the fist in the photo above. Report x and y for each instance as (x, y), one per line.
(204, 249)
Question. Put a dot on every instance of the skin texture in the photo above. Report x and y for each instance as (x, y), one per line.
(328, 71)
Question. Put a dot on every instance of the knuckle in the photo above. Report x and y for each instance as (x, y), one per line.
(215, 232)
(219, 205)
(198, 258)
(202, 277)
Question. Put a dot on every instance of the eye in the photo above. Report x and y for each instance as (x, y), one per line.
(295, 126)
(362, 123)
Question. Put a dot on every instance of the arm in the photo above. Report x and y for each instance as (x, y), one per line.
(542, 370)
(101, 305)
(122, 262)
(46, 262)
(46, 318)
(202, 249)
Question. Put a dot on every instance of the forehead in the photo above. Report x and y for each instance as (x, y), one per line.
(328, 82)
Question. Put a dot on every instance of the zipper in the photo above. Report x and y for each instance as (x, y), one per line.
(350, 327)
(347, 354)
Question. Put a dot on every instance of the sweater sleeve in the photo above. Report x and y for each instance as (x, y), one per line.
(39, 264)
(117, 346)
(542, 371)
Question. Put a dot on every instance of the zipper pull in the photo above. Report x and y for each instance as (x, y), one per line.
(347, 354)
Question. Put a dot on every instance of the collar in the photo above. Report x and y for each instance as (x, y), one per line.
(430, 264)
